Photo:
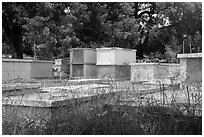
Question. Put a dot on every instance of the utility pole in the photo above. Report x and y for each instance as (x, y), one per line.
(184, 36)
(183, 47)
(34, 51)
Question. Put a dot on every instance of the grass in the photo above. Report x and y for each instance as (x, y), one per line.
(99, 117)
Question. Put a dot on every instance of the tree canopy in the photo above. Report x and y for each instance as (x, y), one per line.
(52, 28)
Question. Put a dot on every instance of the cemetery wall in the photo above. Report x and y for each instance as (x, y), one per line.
(153, 71)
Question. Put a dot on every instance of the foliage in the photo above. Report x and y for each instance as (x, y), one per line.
(53, 28)
(12, 16)
(51, 33)
(181, 23)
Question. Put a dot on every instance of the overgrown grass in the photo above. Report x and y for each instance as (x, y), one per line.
(117, 117)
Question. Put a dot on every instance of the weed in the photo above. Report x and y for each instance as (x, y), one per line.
(122, 111)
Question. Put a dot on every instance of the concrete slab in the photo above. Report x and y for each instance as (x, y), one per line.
(56, 96)
(190, 55)
(54, 103)
(20, 86)
(51, 96)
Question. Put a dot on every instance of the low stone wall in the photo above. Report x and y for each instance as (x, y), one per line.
(153, 71)
(25, 69)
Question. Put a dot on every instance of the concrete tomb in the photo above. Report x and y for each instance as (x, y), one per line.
(191, 67)
(82, 63)
(25, 69)
(61, 67)
(52, 103)
(114, 63)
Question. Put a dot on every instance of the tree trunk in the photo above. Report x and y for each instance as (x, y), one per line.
(17, 42)
(14, 35)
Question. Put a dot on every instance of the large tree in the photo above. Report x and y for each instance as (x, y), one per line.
(180, 25)
(53, 28)
(50, 33)
(41, 26)
(12, 16)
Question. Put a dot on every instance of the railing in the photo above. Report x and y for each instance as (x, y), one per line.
(191, 49)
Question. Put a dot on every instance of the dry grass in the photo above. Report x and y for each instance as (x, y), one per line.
(117, 117)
